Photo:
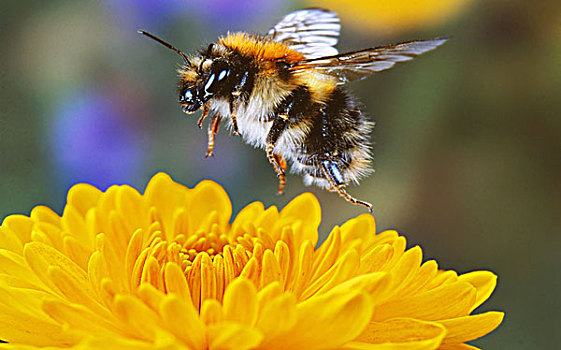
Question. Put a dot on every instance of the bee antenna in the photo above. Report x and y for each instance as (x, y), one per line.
(165, 43)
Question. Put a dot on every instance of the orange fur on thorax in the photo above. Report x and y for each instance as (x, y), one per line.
(260, 49)
(267, 51)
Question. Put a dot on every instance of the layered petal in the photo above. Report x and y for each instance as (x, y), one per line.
(165, 269)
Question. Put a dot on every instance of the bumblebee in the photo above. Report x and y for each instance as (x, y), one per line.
(283, 92)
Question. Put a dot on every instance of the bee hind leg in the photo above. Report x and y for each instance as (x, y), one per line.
(334, 177)
(281, 175)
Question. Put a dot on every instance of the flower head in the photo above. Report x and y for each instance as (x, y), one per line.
(167, 269)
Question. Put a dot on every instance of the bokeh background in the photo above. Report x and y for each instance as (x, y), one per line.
(467, 138)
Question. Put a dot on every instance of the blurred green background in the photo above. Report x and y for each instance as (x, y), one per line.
(467, 138)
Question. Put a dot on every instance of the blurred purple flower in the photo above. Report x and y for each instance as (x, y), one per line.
(235, 14)
(92, 142)
(220, 14)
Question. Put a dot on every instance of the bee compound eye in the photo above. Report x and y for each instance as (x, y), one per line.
(187, 96)
(223, 74)
(209, 86)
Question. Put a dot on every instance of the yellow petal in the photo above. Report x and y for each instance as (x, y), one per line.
(75, 222)
(211, 312)
(207, 197)
(134, 249)
(463, 329)
(358, 232)
(151, 273)
(182, 320)
(330, 320)
(80, 318)
(377, 258)
(267, 220)
(457, 347)
(485, 283)
(270, 271)
(83, 197)
(343, 270)
(132, 208)
(304, 208)
(402, 333)
(175, 281)
(163, 341)
(406, 268)
(327, 253)
(232, 336)
(448, 301)
(246, 217)
(374, 283)
(45, 214)
(282, 254)
(385, 237)
(139, 318)
(151, 296)
(40, 256)
(276, 317)
(269, 293)
(76, 251)
(163, 195)
(20, 225)
(14, 264)
(442, 277)
(10, 241)
(208, 278)
(24, 322)
(424, 275)
(75, 290)
(240, 302)
(304, 270)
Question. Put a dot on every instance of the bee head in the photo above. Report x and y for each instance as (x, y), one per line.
(200, 80)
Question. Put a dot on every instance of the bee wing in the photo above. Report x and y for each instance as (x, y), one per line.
(359, 64)
(312, 32)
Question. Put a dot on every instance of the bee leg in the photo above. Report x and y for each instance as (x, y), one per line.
(333, 175)
(279, 164)
(282, 177)
(234, 105)
(212, 131)
(206, 110)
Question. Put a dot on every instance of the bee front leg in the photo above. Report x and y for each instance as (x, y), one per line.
(279, 164)
(212, 131)
(334, 177)
(206, 110)
(234, 106)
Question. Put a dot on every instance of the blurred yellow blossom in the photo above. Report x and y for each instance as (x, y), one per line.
(167, 269)
(385, 16)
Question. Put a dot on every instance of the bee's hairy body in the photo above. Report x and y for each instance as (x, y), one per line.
(283, 92)
(324, 124)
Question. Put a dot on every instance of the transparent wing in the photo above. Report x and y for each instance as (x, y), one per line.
(312, 32)
(359, 64)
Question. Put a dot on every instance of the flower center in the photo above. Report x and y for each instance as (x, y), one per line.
(210, 243)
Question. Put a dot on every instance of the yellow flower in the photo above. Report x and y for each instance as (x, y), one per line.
(166, 270)
(393, 15)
